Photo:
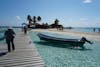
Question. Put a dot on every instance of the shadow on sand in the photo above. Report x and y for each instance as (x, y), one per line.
(3, 53)
(59, 45)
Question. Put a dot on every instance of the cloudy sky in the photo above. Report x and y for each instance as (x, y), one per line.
(75, 13)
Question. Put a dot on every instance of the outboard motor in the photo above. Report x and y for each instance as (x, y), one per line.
(85, 40)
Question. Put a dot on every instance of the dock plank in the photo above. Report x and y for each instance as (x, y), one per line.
(25, 54)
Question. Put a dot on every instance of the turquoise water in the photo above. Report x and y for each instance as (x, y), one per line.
(2, 33)
(2, 30)
(85, 29)
(58, 55)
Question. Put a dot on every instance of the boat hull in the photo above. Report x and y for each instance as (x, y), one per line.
(71, 42)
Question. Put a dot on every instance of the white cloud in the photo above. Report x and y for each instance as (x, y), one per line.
(84, 19)
(18, 18)
(87, 1)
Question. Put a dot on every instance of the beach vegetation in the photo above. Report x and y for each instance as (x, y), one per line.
(39, 18)
(34, 23)
(56, 22)
(34, 19)
(29, 19)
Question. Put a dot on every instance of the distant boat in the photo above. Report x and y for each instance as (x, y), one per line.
(72, 42)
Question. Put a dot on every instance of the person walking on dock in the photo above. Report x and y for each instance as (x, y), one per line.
(9, 36)
(93, 29)
(25, 29)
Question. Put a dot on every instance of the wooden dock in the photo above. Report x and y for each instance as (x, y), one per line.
(25, 54)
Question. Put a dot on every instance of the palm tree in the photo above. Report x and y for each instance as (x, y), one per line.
(39, 18)
(29, 19)
(56, 22)
(34, 19)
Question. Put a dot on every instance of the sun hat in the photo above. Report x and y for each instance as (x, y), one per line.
(9, 27)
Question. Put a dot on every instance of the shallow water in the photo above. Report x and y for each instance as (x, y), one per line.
(2, 33)
(89, 30)
(59, 55)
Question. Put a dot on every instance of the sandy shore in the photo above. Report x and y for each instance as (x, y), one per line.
(91, 36)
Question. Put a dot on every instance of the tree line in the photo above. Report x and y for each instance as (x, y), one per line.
(33, 22)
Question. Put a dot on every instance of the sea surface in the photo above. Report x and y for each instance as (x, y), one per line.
(85, 29)
(2, 30)
(59, 55)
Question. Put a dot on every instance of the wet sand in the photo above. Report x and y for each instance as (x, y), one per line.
(92, 36)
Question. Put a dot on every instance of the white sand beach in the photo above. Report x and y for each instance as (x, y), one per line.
(92, 36)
